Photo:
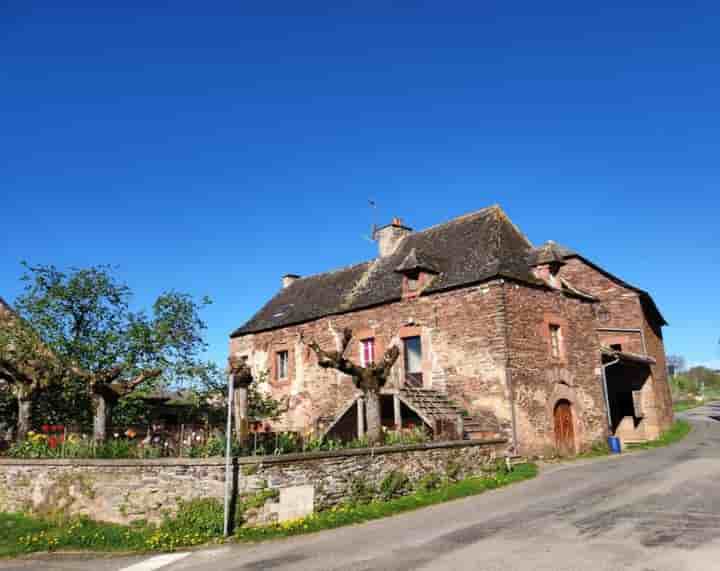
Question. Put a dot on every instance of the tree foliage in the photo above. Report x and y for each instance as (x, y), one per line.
(212, 387)
(83, 317)
(676, 364)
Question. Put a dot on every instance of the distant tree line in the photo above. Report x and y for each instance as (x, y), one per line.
(692, 380)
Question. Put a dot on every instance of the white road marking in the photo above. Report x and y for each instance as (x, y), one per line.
(156, 562)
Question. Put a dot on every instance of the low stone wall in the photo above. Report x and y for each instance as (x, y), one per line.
(127, 490)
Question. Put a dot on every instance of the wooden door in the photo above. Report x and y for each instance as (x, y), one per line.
(564, 432)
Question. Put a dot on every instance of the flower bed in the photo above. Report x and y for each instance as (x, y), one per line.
(54, 442)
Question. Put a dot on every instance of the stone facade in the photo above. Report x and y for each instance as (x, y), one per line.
(623, 318)
(123, 491)
(462, 335)
(471, 338)
(517, 337)
(540, 380)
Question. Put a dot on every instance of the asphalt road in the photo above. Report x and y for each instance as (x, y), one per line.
(649, 511)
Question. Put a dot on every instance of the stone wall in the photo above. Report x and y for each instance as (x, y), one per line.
(127, 490)
(621, 307)
(540, 380)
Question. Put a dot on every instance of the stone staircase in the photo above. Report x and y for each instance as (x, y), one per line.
(447, 420)
(444, 414)
(477, 428)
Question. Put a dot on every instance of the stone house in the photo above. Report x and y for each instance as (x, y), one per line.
(497, 337)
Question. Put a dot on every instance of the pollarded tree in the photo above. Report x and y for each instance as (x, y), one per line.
(27, 366)
(251, 402)
(83, 316)
(369, 379)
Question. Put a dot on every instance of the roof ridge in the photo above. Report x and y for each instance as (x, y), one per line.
(335, 271)
(475, 213)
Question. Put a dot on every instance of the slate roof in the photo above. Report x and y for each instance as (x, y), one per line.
(548, 253)
(418, 261)
(466, 250)
(645, 296)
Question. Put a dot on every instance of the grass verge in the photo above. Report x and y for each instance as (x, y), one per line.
(358, 513)
(679, 430)
(683, 405)
(21, 534)
(201, 522)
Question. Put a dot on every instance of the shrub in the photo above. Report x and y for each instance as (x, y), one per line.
(452, 470)
(414, 435)
(360, 490)
(429, 481)
(196, 522)
(361, 442)
(395, 484)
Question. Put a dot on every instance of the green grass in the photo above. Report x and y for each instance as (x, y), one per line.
(201, 521)
(352, 514)
(679, 430)
(683, 405)
(22, 534)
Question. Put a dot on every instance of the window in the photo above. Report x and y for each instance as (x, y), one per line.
(281, 370)
(413, 282)
(413, 360)
(367, 351)
(555, 341)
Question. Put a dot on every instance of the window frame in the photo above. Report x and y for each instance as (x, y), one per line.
(406, 353)
(364, 343)
(555, 333)
(278, 365)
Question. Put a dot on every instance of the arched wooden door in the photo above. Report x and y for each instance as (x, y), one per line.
(564, 431)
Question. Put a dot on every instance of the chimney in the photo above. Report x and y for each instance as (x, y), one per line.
(288, 279)
(388, 237)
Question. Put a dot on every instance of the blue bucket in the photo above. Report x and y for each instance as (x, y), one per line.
(614, 444)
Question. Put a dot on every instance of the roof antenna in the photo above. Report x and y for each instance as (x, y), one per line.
(373, 205)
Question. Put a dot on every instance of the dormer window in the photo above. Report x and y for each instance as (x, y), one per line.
(546, 262)
(418, 271)
(413, 282)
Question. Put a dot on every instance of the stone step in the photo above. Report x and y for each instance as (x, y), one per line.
(431, 402)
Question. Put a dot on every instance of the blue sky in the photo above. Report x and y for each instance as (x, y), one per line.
(213, 147)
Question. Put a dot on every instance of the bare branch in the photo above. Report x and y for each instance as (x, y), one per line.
(240, 371)
(347, 337)
(141, 378)
(111, 375)
(391, 355)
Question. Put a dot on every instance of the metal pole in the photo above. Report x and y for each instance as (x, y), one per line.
(605, 391)
(228, 450)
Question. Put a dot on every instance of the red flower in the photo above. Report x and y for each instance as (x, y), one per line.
(52, 442)
(45, 428)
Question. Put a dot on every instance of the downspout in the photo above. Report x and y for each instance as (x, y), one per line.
(508, 374)
(605, 391)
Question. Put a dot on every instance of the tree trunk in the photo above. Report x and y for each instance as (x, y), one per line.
(24, 416)
(373, 426)
(240, 407)
(101, 417)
